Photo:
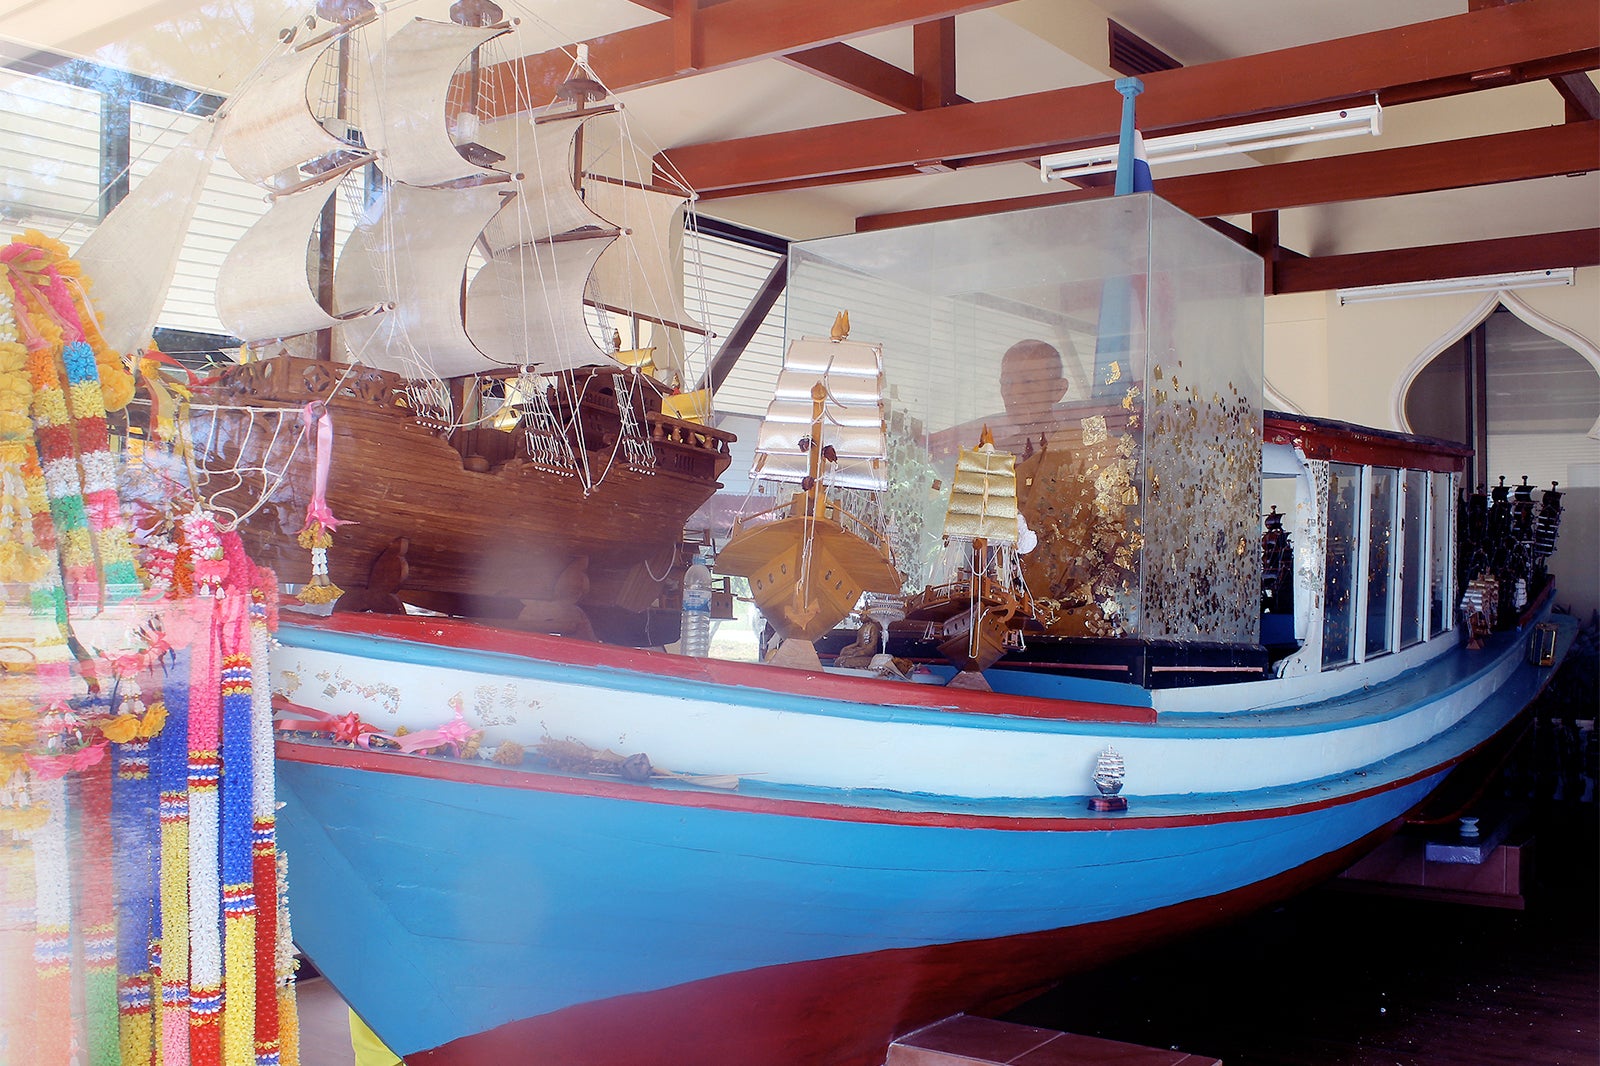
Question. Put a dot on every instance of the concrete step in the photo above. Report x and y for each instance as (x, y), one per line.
(967, 1040)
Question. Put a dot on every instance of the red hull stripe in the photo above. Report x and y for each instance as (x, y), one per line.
(846, 1011)
(478, 773)
(562, 651)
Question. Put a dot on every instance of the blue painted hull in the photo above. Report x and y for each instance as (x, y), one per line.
(479, 897)
(470, 913)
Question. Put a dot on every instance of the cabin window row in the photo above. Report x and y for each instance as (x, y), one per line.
(1389, 574)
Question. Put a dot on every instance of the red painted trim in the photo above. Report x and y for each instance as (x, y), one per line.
(565, 651)
(472, 772)
(1344, 443)
(846, 1011)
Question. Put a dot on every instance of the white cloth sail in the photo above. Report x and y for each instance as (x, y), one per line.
(264, 288)
(525, 306)
(132, 255)
(642, 273)
(549, 204)
(852, 415)
(412, 250)
(405, 123)
(269, 130)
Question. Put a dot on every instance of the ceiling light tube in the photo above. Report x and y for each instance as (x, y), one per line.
(1526, 279)
(1223, 140)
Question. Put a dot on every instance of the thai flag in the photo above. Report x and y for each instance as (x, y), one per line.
(1141, 166)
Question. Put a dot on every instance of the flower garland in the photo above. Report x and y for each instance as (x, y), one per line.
(317, 533)
(91, 795)
(80, 471)
(263, 807)
(288, 1014)
(133, 796)
(237, 822)
(147, 950)
(170, 952)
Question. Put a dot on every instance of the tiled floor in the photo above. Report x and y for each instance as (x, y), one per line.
(324, 1025)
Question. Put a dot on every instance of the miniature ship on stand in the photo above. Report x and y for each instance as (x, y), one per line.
(980, 614)
(810, 558)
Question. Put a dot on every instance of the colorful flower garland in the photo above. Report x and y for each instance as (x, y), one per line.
(173, 968)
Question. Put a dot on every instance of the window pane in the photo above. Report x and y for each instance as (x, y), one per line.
(1416, 537)
(729, 275)
(228, 206)
(1380, 557)
(1441, 547)
(49, 155)
(1338, 620)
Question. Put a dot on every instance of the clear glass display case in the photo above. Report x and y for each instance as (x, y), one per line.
(1115, 347)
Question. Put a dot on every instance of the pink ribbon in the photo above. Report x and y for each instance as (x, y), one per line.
(316, 416)
(350, 729)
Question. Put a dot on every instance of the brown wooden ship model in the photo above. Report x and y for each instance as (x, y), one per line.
(439, 391)
(810, 558)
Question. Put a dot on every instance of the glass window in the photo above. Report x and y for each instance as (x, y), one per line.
(1339, 590)
(1382, 551)
(1414, 504)
(50, 162)
(1441, 555)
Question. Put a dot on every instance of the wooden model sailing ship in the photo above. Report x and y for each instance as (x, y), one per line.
(810, 558)
(464, 284)
(979, 615)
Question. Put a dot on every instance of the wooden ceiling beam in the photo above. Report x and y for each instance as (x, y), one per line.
(1521, 155)
(1535, 39)
(933, 46)
(728, 34)
(1582, 101)
(853, 69)
(1582, 98)
(1540, 251)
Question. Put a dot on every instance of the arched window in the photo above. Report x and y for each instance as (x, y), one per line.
(1529, 404)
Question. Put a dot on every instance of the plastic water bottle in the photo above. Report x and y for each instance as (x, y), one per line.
(695, 639)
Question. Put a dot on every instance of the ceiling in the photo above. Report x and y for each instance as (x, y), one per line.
(815, 117)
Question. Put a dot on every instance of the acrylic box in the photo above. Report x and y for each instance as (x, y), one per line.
(1131, 397)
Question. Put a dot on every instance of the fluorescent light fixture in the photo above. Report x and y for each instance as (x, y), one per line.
(1223, 140)
(1527, 279)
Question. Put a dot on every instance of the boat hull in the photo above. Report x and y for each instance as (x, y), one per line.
(480, 913)
(806, 573)
(625, 910)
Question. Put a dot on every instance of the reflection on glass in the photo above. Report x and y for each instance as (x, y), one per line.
(1338, 619)
(1414, 504)
(1380, 558)
(1440, 544)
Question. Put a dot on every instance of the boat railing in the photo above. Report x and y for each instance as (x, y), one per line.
(688, 448)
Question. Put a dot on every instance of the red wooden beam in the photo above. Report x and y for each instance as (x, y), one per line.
(1550, 151)
(730, 33)
(685, 36)
(934, 57)
(1574, 248)
(1535, 39)
(1582, 99)
(853, 69)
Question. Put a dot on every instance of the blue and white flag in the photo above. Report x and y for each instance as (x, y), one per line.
(1141, 181)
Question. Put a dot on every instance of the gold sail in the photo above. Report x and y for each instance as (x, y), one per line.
(983, 496)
